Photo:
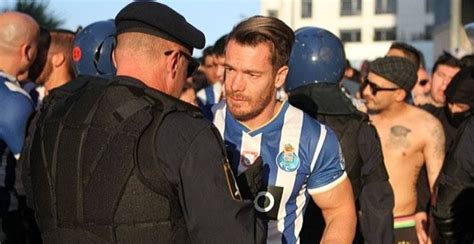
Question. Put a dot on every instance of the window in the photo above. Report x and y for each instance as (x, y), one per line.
(429, 32)
(429, 6)
(385, 34)
(350, 35)
(350, 7)
(306, 8)
(273, 13)
(386, 7)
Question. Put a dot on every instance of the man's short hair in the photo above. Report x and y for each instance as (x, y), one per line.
(467, 60)
(63, 41)
(447, 59)
(409, 51)
(219, 46)
(259, 29)
(208, 51)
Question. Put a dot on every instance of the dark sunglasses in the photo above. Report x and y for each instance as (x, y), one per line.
(374, 88)
(192, 63)
(423, 82)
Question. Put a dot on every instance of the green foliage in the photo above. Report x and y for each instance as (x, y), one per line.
(38, 9)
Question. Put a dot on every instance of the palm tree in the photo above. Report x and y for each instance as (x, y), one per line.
(38, 9)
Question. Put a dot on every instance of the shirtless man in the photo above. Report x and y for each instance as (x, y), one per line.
(410, 137)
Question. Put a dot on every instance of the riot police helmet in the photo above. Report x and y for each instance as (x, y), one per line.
(317, 56)
(93, 46)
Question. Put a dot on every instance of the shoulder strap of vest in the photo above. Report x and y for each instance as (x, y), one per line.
(148, 159)
(162, 106)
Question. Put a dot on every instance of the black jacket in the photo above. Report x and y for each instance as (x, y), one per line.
(454, 211)
(364, 163)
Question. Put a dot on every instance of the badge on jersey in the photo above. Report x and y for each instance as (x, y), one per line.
(288, 160)
(247, 158)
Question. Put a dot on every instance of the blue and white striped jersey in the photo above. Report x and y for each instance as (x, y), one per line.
(16, 107)
(210, 94)
(300, 155)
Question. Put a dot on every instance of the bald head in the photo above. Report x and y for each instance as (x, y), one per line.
(16, 29)
(19, 35)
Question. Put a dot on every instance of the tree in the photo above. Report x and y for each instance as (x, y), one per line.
(38, 9)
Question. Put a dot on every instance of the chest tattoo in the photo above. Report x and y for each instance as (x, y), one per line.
(398, 137)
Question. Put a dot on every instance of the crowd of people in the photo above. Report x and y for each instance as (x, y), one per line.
(116, 134)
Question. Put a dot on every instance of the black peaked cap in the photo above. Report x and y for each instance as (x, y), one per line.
(159, 20)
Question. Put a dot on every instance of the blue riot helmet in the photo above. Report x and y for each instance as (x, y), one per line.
(317, 56)
(93, 46)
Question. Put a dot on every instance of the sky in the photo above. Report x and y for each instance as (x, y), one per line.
(214, 17)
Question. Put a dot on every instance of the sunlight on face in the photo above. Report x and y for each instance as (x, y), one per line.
(440, 81)
(249, 80)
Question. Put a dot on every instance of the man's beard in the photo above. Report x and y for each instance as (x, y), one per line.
(251, 108)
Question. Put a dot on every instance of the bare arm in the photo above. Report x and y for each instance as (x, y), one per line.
(434, 153)
(337, 206)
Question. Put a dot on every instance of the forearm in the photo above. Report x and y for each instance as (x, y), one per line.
(339, 214)
(340, 228)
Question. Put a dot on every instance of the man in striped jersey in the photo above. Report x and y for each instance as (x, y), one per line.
(302, 158)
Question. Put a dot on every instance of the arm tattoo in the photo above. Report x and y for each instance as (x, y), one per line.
(438, 137)
(398, 136)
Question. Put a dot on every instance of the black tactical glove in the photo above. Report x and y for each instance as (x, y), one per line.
(251, 180)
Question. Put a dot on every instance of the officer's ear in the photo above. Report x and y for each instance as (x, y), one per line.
(172, 63)
(113, 50)
(281, 76)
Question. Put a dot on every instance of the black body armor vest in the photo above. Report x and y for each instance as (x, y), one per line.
(94, 173)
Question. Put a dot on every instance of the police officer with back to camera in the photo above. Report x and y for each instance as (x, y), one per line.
(317, 65)
(125, 161)
(453, 211)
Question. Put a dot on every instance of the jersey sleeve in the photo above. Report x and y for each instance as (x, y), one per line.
(15, 112)
(328, 170)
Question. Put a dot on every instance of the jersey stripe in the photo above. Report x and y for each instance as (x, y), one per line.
(322, 137)
(291, 132)
(250, 151)
(220, 113)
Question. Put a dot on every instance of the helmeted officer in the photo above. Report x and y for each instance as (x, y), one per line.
(317, 65)
(93, 46)
(125, 161)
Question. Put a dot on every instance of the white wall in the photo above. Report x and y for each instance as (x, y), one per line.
(410, 20)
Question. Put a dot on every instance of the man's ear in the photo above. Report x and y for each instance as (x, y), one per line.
(58, 59)
(113, 58)
(172, 64)
(400, 95)
(281, 76)
(28, 52)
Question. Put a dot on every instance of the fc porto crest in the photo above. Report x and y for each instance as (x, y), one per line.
(288, 160)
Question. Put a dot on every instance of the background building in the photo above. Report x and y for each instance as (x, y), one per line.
(448, 33)
(367, 27)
